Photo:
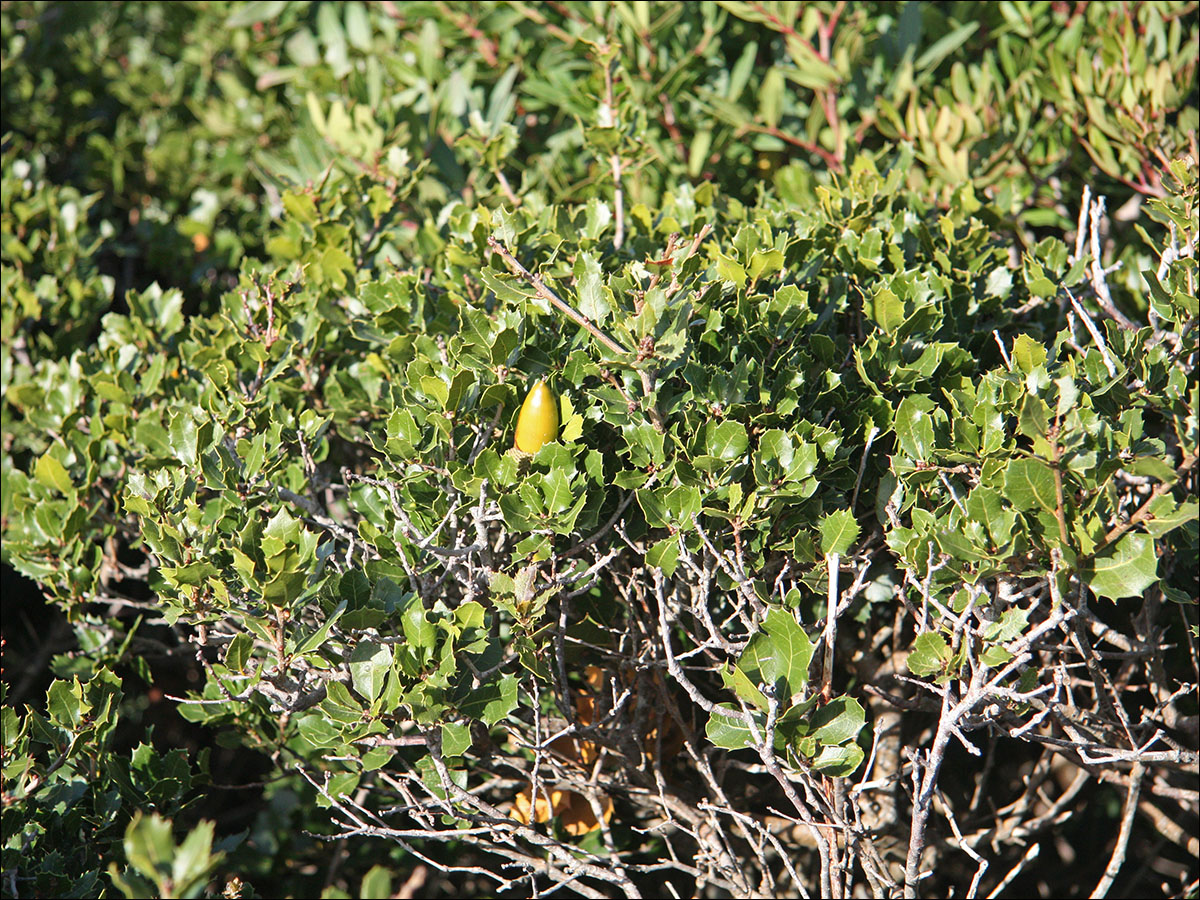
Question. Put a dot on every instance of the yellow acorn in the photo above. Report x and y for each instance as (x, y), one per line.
(538, 420)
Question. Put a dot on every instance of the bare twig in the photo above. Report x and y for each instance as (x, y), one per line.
(1101, 344)
(1030, 855)
(1099, 282)
(554, 300)
(1118, 855)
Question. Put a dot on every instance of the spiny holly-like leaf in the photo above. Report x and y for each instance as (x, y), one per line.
(1011, 625)
(1125, 570)
(778, 655)
(730, 733)
(1029, 484)
(839, 531)
(727, 440)
(914, 427)
(929, 655)
(456, 739)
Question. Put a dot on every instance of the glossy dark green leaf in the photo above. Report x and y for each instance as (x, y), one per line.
(839, 531)
(929, 656)
(1125, 570)
(838, 721)
(778, 655)
(1029, 484)
(370, 663)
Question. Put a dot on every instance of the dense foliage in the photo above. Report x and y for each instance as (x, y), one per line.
(863, 562)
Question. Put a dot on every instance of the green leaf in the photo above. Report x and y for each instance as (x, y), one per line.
(1125, 570)
(193, 574)
(770, 97)
(929, 655)
(1010, 627)
(589, 279)
(556, 488)
(838, 721)
(1167, 516)
(52, 473)
(341, 706)
(1029, 484)
(149, 845)
(778, 655)
(727, 440)
(456, 739)
(419, 632)
(64, 702)
(729, 269)
(238, 652)
(185, 438)
(376, 884)
(914, 427)
(319, 730)
(358, 26)
(838, 762)
(1028, 353)
(887, 310)
(354, 588)
(664, 555)
(1034, 420)
(318, 637)
(741, 684)
(995, 656)
(491, 701)
(370, 663)
(944, 46)
(731, 734)
(1153, 466)
(698, 151)
(340, 785)
(839, 531)
(194, 862)
(254, 12)
(766, 262)
(669, 506)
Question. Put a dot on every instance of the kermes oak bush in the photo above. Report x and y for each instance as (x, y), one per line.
(863, 561)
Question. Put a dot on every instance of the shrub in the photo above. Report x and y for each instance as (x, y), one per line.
(865, 551)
